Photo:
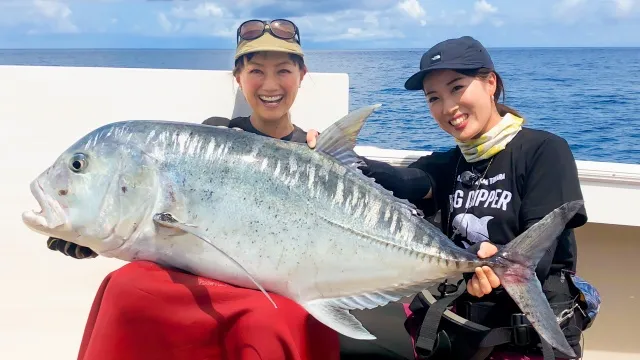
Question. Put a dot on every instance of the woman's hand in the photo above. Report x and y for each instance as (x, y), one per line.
(311, 138)
(484, 280)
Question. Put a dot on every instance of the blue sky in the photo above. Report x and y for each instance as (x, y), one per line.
(324, 24)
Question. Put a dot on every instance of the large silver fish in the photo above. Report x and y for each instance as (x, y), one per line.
(267, 214)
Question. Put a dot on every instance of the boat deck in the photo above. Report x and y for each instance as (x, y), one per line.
(47, 295)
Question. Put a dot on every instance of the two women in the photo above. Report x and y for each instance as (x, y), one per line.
(499, 180)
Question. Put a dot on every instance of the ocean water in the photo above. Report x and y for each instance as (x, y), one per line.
(589, 96)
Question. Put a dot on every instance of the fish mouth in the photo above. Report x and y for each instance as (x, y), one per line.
(51, 217)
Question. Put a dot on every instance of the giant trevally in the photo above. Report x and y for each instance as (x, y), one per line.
(273, 215)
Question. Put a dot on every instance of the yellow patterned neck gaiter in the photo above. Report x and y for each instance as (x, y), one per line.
(492, 142)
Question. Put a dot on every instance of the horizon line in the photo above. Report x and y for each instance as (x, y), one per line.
(324, 49)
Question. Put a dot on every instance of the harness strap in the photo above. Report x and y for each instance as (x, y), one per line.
(504, 335)
(430, 343)
(429, 328)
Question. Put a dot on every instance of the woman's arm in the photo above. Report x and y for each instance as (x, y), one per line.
(412, 184)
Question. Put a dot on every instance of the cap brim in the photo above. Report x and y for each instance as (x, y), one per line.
(267, 42)
(267, 48)
(416, 80)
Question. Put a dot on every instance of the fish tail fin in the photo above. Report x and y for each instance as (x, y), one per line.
(519, 279)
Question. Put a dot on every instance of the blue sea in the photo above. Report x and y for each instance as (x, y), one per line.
(589, 96)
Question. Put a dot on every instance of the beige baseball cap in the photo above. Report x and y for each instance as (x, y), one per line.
(268, 42)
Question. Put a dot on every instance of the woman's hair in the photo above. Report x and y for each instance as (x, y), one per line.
(484, 73)
(239, 64)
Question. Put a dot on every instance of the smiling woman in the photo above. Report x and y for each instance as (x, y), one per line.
(499, 181)
(184, 316)
(269, 67)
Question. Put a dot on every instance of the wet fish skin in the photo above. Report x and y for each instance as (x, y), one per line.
(306, 224)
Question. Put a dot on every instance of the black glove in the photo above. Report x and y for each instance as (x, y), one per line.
(70, 249)
(373, 168)
(405, 183)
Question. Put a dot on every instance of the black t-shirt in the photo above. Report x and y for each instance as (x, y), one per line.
(244, 123)
(532, 176)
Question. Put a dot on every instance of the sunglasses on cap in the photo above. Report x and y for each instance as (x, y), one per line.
(280, 28)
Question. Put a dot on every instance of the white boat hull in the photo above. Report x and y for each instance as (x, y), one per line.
(47, 296)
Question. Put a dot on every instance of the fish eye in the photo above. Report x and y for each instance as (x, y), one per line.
(78, 162)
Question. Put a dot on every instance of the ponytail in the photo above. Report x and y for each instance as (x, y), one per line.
(504, 110)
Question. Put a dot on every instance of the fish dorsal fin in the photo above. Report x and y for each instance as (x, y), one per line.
(339, 139)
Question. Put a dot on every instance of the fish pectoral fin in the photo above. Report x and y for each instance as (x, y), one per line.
(168, 220)
(338, 318)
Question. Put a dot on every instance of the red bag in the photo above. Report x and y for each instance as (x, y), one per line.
(145, 311)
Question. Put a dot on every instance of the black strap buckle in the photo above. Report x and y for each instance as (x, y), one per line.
(521, 330)
(446, 288)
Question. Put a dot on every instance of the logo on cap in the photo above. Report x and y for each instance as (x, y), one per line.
(435, 59)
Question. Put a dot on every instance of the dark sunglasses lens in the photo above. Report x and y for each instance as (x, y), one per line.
(251, 30)
(283, 28)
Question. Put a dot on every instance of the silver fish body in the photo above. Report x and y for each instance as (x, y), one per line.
(249, 210)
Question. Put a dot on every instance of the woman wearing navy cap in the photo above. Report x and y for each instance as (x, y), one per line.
(498, 181)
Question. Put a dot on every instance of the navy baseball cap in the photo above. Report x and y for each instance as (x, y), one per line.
(464, 53)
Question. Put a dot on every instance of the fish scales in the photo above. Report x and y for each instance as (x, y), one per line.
(222, 182)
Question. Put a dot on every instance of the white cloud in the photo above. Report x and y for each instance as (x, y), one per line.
(352, 25)
(350, 20)
(484, 7)
(166, 24)
(206, 18)
(482, 11)
(371, 19)
(624, 8)
(59, 13)
(202, 11)
(414, 9)
(569, 11)
(324, 20)
(452, 18)
(575, 12)
(38, 16)
(355, 33)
